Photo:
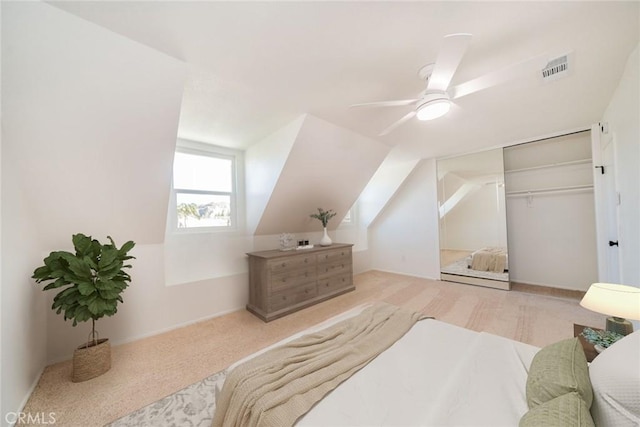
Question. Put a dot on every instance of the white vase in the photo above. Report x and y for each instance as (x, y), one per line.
(325, 241)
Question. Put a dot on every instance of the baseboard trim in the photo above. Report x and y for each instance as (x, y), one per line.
(547, 290)
(25, 399)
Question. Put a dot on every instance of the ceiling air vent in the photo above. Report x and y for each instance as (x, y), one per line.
(556, 68)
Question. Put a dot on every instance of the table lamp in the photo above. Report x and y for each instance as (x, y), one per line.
(620, 302)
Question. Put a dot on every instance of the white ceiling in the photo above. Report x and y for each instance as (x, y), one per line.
(255, 66)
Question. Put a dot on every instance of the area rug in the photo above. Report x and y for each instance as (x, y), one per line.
(193, 406)
(461, 268)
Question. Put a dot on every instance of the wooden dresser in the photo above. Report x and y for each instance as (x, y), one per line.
(281, 282)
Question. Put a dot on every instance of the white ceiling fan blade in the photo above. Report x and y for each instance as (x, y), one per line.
(449, 58)
(397, 103)
(407, 117)
(531, 66)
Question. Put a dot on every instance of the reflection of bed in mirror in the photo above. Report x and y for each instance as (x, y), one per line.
(457, 267)
(489, 259)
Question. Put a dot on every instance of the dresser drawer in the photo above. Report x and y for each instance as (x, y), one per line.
(335, 283)
(289, 297)
(342, 254)
(290, 263)
(335, 268)
(289, 279)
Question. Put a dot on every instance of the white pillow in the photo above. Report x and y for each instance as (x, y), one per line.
(615, 378)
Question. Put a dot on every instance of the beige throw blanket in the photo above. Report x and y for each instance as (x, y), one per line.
(489, 259)
(279, 386)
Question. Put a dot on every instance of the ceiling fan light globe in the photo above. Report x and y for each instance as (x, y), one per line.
(433, 109)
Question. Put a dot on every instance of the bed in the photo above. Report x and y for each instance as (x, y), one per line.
(493, 259)
(438, 374)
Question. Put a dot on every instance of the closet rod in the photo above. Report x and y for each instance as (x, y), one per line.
(556, 190)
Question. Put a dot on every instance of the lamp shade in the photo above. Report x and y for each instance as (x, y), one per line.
(613, 300)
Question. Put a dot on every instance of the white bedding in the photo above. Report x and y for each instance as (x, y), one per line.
(506, 259)
(437, 374)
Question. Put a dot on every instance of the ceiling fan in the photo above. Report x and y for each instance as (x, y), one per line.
(435, 100)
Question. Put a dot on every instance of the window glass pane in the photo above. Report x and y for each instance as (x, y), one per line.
(193, 172)
(203, 210)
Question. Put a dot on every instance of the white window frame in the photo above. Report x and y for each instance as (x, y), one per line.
(348, 215)
(209, 150)
(353, 218)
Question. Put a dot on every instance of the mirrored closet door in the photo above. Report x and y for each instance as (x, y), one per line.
(473, 226)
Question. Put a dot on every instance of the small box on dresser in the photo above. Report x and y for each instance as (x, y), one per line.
(281, 282)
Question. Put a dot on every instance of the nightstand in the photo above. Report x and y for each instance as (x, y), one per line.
(588, 348)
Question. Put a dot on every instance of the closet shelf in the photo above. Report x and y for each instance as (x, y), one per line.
(551, 165)
(553, 190)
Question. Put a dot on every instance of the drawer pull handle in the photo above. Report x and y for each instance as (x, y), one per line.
(306, 260)
(343, 279)
(306, 291)
(342, 265)
(342, 253)
(284, 264)
(284, 298)
(284, 280)
(306, 274)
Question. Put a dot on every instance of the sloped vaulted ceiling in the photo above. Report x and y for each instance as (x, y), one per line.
(327, 167)
(90, 119)
(271, 61)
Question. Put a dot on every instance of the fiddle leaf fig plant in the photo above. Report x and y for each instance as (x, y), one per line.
(91, 281)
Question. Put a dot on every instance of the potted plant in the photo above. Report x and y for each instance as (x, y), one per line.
(324, 217)
(91, 282)
(600, 339)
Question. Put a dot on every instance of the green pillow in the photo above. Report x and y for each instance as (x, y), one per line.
(558, 369)
(568, 410)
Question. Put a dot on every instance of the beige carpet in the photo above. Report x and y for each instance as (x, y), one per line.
(147, 370)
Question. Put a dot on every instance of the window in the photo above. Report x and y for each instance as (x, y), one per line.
(204, 189)
(350, 220)
(347, 218)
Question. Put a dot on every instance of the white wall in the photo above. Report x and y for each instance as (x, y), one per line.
(404, 237)
(623, 117)
(265, 161)
(383, 185)
(552, 241)
(24, 308)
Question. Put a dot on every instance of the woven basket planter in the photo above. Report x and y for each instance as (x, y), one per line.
(90, 361)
